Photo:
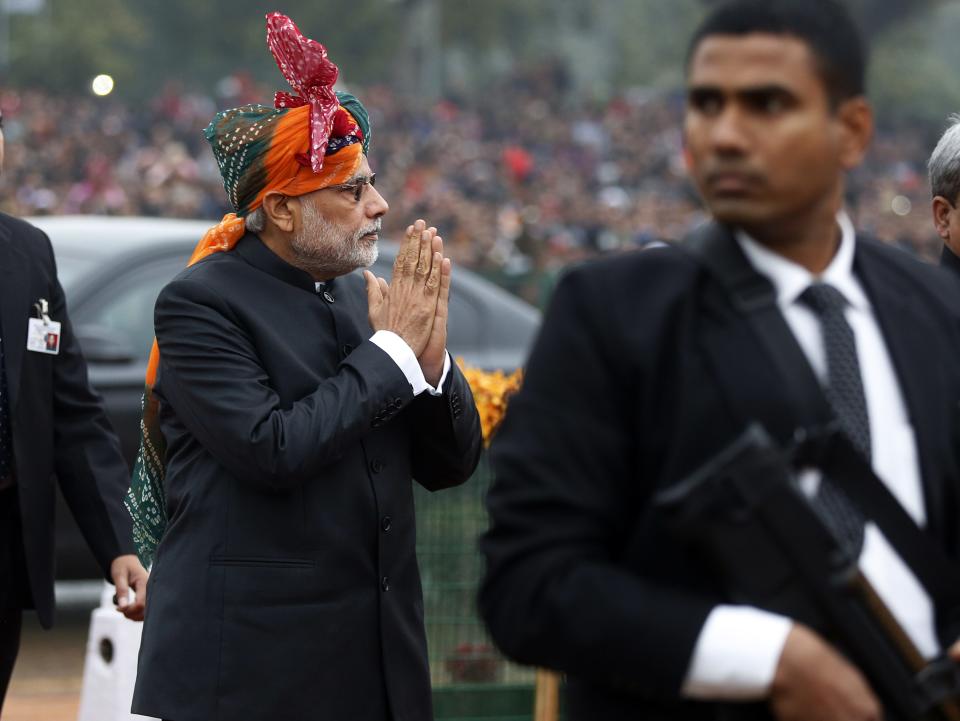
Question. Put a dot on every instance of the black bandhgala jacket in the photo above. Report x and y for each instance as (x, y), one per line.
(286, 584)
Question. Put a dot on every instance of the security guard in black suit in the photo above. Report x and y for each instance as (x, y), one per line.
(52, 426)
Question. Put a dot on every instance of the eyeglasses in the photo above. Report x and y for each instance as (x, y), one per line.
(355, 187)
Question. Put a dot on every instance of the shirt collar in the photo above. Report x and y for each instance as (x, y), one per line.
(790, 279)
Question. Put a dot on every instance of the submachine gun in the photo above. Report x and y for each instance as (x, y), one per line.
(745, 512)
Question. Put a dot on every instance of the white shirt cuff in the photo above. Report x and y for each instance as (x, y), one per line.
(736, 655)
(402, 354)
(443, 377)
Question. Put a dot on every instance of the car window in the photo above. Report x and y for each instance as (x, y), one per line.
(124, 306)
(71, 268)
(465, 328)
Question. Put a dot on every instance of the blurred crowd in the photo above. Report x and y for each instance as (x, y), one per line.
(520, 183)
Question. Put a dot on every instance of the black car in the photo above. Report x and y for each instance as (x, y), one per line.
(112, 270)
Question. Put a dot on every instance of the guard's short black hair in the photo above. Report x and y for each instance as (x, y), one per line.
(824, 25)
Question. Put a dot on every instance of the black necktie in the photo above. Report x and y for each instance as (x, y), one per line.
(844, 391)
(6, 447)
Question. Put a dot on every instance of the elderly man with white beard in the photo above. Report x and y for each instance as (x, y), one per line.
(289, 404)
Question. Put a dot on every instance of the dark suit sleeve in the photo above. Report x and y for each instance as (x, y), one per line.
(211, 375)
(948, 614)
(89, 464)
(567, 466)
(446, 431)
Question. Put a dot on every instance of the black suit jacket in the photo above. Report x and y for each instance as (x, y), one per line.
(949, 260)
(286, 585)
(59, 426)
(623, 397)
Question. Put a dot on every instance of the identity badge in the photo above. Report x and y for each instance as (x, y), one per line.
(43, 334)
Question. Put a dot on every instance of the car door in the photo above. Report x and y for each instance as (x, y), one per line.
(114, 324)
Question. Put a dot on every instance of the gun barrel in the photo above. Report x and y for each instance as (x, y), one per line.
(911, 655)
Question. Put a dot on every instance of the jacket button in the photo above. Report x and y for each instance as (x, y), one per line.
(376, 465)
(386, 523)
(397, 403)
(385, 584)
(328, 296)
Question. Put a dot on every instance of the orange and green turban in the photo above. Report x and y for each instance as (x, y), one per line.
(261, 149)
(306, 142)
(309, 140)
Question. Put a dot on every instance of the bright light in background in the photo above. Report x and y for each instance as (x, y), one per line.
(102, 85)
(901, 205)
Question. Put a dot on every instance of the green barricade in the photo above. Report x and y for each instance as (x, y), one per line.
(472, 681)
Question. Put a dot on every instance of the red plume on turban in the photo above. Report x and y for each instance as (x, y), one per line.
(311, 74)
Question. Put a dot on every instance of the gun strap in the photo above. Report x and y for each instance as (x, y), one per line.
(754, 297)
(939, 574)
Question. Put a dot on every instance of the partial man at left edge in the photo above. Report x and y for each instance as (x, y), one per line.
(52, 426)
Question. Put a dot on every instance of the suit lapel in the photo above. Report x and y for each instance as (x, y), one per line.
(908, 336)
(14, 309)
(762, 369)
(754, 385)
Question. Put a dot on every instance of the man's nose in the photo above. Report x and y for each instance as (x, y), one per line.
(377, 205)
(730, 132)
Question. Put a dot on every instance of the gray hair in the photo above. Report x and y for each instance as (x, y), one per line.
(944, 165)
(256, 221)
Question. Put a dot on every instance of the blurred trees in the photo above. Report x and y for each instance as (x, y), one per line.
(69, 42)
(913, 77)
(875, 16)
(429, 47)
(449, 44)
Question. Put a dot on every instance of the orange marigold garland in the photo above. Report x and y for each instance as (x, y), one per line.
(491, 391)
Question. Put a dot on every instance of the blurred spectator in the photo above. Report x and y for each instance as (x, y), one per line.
(519, 188)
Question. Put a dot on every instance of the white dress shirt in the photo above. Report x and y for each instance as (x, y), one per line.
(739, 647)
(403, 355)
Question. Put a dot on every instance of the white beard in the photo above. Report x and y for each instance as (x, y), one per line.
(326, 248)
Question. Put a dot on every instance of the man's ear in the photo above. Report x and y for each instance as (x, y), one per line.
(856, 129)
(941, 216)
(280, 211)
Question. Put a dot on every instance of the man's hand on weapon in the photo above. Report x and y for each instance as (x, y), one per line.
(408, 306)
(813, 681)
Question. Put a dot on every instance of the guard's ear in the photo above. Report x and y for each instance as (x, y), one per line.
(856, 129)
(942, 208)
(280, 211)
